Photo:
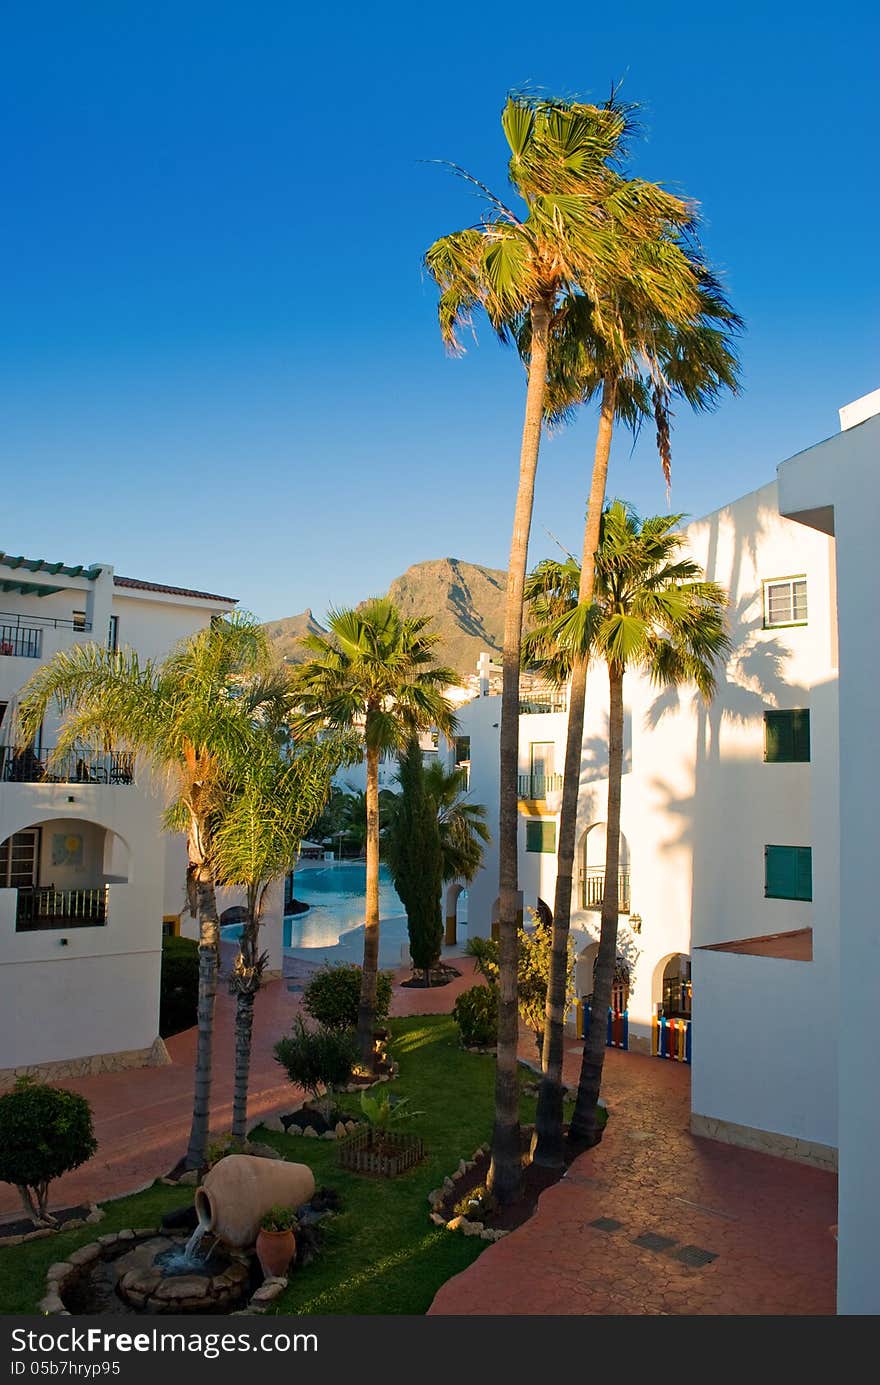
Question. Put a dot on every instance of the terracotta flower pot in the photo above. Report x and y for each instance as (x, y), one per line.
(242, 1187)
(275, 1250)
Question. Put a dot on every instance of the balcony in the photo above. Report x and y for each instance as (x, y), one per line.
(30, 766)
(540, 703)
(40, 908)
(592, 884)
(21, 641)
(539, 785)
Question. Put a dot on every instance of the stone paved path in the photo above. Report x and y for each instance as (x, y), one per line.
(766, 1220)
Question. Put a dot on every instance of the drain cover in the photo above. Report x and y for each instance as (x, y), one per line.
(650, 1240)
(606, 1224)
(695, 1256)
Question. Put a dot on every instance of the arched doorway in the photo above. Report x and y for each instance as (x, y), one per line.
(591, 871)
(454, 893)
(60, 870)
(496, 914)
(672, 993)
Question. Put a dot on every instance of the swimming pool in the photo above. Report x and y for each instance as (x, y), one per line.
(333, 928)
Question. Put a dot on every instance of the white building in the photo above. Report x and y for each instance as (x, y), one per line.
(82, 858)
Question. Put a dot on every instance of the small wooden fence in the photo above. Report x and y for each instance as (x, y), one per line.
(671, 1038)
(617, 1031)
(386, 1153)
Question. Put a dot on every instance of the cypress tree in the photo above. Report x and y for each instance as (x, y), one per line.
(415, 859)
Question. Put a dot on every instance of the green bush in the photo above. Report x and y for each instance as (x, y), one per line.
(476, 1014)
(279, 1219)
(179, 993)
(44, 1132)
(315, 1058)
(333, 995)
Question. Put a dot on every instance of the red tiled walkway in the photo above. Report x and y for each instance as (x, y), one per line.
(142, 1116)
(766, 1219)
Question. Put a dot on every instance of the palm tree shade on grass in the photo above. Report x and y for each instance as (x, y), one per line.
(374, 673)
(650, 362)
(191, 719)
(585, 230)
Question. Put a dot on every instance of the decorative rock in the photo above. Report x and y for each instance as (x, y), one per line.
(454, 1223)
(86, 1254)
(340, 1130)
(51, 1304)
(470, 1164)
(275, 1124)
(462, 1166)
(183, 1286)
(471, 1228)
(74, 1224)
(96, 1214)
(437, 1219)
(268, 1292)
(107, 1240)
(294, 1129)
(148, 1231)
(329, 1135)
(127, 1235)
(189, 1179)
(448, 1185)
(310, 1132)
(351, 1126)
(59, 1271)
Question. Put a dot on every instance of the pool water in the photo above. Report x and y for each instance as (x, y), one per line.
(333, 928)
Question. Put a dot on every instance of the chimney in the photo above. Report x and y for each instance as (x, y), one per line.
(859, 410)
(483, 663)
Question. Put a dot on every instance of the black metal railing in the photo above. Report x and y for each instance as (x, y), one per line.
(593, 889)
(21, 641)
(30, 766)
(54, 622)
(539, 785)
(40, 907)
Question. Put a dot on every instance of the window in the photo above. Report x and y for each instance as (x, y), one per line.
(18, 859)
(113, 634)
(462, 750)
(788, 872)
(540, 836)
(787, 736)
(79, 620)
(785, 602)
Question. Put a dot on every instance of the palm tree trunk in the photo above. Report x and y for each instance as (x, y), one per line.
(584, 1127)
(548, 1148)
(369, 976)
(209, 935)
(244, 1025)
(505, 1174)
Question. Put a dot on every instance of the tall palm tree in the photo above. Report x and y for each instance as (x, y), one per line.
(279, 792)
(653, 611)
(650, 361)
(582, 229)
(374, 672)
(463, 828)
(189, 717)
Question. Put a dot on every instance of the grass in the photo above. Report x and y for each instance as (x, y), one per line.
(380, 1254)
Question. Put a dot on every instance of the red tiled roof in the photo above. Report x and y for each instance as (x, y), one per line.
(172, 591)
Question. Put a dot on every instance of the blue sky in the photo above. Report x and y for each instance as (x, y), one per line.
(220, 361)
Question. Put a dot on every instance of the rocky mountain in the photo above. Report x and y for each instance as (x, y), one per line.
(465, 600)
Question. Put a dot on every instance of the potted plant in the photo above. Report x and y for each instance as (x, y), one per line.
(276, 1242)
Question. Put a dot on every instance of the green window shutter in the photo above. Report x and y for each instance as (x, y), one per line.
(804, 878)
(787, 736)
(788, 872)
(801, 734)
(540, 836)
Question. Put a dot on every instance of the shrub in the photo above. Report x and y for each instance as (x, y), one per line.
(179, 994)
(476, 1014)
(333, 995)
(476, 1205)
(44, 1132)
(315, 1058)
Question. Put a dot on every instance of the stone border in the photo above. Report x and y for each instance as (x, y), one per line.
(765, 1142)
(437, 1196)
(41, 1233)
(156, 1055)
(57, 1275)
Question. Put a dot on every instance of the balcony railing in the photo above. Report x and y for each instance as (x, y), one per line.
(542, 702)
(21, 641)
(539, 785)
(53, 622)
(79, 767)
(593, 889)
(49, 908)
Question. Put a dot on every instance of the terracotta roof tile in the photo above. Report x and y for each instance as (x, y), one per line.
(172, 591)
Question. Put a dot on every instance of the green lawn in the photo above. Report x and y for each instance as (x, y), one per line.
(381, 1254)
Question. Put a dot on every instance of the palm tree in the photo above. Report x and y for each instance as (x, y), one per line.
(582, 231)
(190, 718)
(650, 361)
(463, 829)
(651, 611)
(375, 673)
(279, 794)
